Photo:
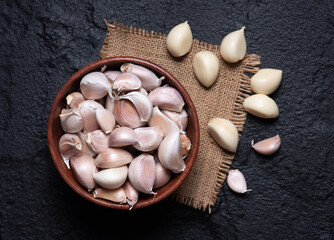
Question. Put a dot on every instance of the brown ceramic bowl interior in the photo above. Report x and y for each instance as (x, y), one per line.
(55, 131)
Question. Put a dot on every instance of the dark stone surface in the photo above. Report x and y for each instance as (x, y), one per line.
(43, 43)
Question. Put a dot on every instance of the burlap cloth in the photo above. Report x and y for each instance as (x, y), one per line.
(223, 99)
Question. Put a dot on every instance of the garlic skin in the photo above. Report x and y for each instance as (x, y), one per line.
(126, 82)
(83, 169)
(206, 67)
(266, 81)
(87, 110)
(106, 120)
(69, 146)
(149, 138)
(112, 158)
(167, 98)
(117, 195)
(126, 114)
(110, 103)
(74, 99)
(185, 144)
(94, 85)
(122, 136)
(111, 178)
(97, 140)
(237, 182)
(261, 105)
(233, 47)
(85, 148)
(267, 146)
(112, 74)
(162, 174)
(131, 194)
(224, 133)
(179, 40)
(158, 119)
(71, 120)
(180, 119)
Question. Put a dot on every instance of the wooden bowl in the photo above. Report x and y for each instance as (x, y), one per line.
(55, 131)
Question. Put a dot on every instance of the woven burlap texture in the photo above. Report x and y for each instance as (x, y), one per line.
(223, 99)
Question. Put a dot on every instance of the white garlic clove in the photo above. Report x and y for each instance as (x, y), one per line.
(97, 140)
(149, 80)
(224, 133)
(162, 174)
(266, 81)
(126, 82)
(180, 119)
(126, 114)
(74, 99)
(111, 178)
(110, 103)
(233, 47)
(113, 157)
(158, 119)
(69, 146)
(71, 120)
(142, 173)
(179, 40)
(261, 105)
(106, 120)
(83, 168)
(117, 195)
(267, 146)
(94, 85)
(149, 138)
(167, 98)
(170, 153)
(143, 91)
(112, 74)
(87, 110)
(206, 67)
(122, 136)
(237, 182)
(185, 144)
(85, 148)
(131, 194)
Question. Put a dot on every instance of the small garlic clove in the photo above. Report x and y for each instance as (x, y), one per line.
(162, 174)
(149, 80)
(126, 82)
(112, 74)
(69, 146)
(142, 173)
(126, 114)
(261, 105)
(179, 40)
(167, 98)
(206, 67)
(122, 136)
(71, 120)
(149, 138)
(83, 168)
(185, 144)
(94, 85)
(87, 110)
(97, 140)
(233, 47)
(267, 146)
(131, 194)
(237, 182)
(266, 81)
(85, 148)
(111, 178)
(158, 119)
(106, 120)
(113, 158)
(224, 133)
(110, 103)
(117, 195)
(143, 91)
(170, 153)
(74, 99)
(180, 119)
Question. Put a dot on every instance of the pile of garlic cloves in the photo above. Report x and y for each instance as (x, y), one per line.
(124, 133)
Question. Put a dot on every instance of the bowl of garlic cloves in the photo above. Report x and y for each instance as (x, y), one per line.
(123, 133)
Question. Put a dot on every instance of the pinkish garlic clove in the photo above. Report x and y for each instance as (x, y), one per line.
(268, 146)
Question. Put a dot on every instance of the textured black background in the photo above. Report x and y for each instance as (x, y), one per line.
(42, 43)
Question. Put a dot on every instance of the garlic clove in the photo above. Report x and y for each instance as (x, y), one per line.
(162, 174)
(180, 119)
(87, 110)
(237, 182)
(266, 81)
(143, 91)
(149, 138)
(126, 82)
(224, 133)
(233, 47)
(94, 85)
(111, 178)
(142, 173)
(106, 120)
(113, 157)
(126, 114)
(74, 99)
(110, 103)
(170, 153)
(71, 120)
(261, 105)
(185, 144)
(206, 67)
(83, 168)
(149, 80)
(131, 194)
(97, 140)
(69, 146)
(158, 119)
(179, 40)
(85, 148)
(112, 74)
(122, 136)
(267, 146)
(117, 195)
(167, 98)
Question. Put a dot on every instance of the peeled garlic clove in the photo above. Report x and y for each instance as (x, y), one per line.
(97, 140)
(87, 110)
(110, 103)
(69, 146)
(206, 67)
(106, 120)
(131, 194)
(185, 144)
(122, 136)
(126, 114)
(117, 195)
(233, 47)
(142, 173)
(180, 119)
(126, 82)
(162, 174)
(237, 182)
(112, 74)
(179, 40)
(94, 85)
(268, 146)
(85, 148)
(149, 138)
(224, 133)
(142, 104)
(167, 98)
(83, 168)
(158, 119)
(266, 81)
(261, 105)
(113, 157)
(111, 178)
(170, 153)
(74, 99)
(71, 120)
(149, 80)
